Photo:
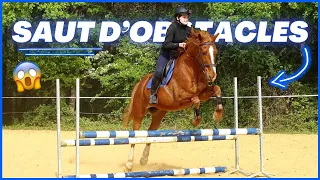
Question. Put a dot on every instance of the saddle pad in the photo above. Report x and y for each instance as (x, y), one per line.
(167, 77)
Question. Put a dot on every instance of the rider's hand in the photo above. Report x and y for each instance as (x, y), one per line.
(182, 44)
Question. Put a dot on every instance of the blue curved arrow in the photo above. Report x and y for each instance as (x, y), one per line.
(281, 80)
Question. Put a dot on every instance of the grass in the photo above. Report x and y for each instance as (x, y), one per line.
(280, 121)
(86, 125)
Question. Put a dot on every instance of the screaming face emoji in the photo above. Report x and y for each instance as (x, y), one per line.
(27, 76)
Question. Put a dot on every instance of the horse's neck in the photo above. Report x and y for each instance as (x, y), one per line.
(186, 63)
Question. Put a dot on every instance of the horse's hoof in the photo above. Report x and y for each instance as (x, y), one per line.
(129, 166)
(143, 161)
(217, 116)
(196, 121)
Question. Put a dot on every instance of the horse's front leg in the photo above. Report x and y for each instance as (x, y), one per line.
(197, 117)
(214, 91)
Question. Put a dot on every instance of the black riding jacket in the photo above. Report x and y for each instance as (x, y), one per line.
(176, 33)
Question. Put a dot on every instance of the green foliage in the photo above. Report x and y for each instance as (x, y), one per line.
(117, 72)
(57, 11)
(236, 12)
(46, 115)
(64, 68)
(16, 11)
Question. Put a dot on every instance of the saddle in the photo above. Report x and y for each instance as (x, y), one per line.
(166, 70)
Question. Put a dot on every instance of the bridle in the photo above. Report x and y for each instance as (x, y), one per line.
(203, 65)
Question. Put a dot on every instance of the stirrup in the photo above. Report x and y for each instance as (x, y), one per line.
(153, 99)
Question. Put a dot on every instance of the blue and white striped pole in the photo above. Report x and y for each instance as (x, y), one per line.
(120, 141)
(174, 172)
(164, 133)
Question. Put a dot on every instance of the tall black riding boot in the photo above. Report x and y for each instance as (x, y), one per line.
(154, 90)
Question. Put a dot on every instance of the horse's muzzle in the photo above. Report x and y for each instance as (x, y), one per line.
(210, 78)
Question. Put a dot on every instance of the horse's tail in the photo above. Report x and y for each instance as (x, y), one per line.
(127, 115)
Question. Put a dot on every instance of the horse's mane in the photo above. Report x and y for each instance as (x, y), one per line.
(196, 36)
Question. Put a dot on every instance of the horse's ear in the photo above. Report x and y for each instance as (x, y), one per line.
(213, 38)
(192, 49)
(201, 36)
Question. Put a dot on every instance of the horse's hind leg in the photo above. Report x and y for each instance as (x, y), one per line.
(155, 124)
(129, 164)
(136, 126)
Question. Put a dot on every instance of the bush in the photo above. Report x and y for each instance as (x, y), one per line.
(46, 116)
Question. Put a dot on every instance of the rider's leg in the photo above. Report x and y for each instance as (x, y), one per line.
(154, 89)
(162, 61)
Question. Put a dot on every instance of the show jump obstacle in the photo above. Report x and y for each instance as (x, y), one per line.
(99, 138)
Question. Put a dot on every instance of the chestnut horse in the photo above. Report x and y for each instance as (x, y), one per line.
(189, 84)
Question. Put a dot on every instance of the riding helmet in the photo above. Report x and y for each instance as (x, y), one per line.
(181, 10)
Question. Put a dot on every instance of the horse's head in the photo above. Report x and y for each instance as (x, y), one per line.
(201, 46)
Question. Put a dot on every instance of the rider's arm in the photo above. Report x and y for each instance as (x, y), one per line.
(168, 44)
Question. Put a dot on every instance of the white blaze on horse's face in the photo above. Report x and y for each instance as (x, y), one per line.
(211, 52)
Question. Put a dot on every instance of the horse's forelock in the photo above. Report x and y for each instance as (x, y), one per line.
(205, 36)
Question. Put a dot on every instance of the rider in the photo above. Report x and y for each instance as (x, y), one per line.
(175, 37)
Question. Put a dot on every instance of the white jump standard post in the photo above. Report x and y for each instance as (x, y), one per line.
(261, 132)
(58, 127)
(237, 166)
(77, 125)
